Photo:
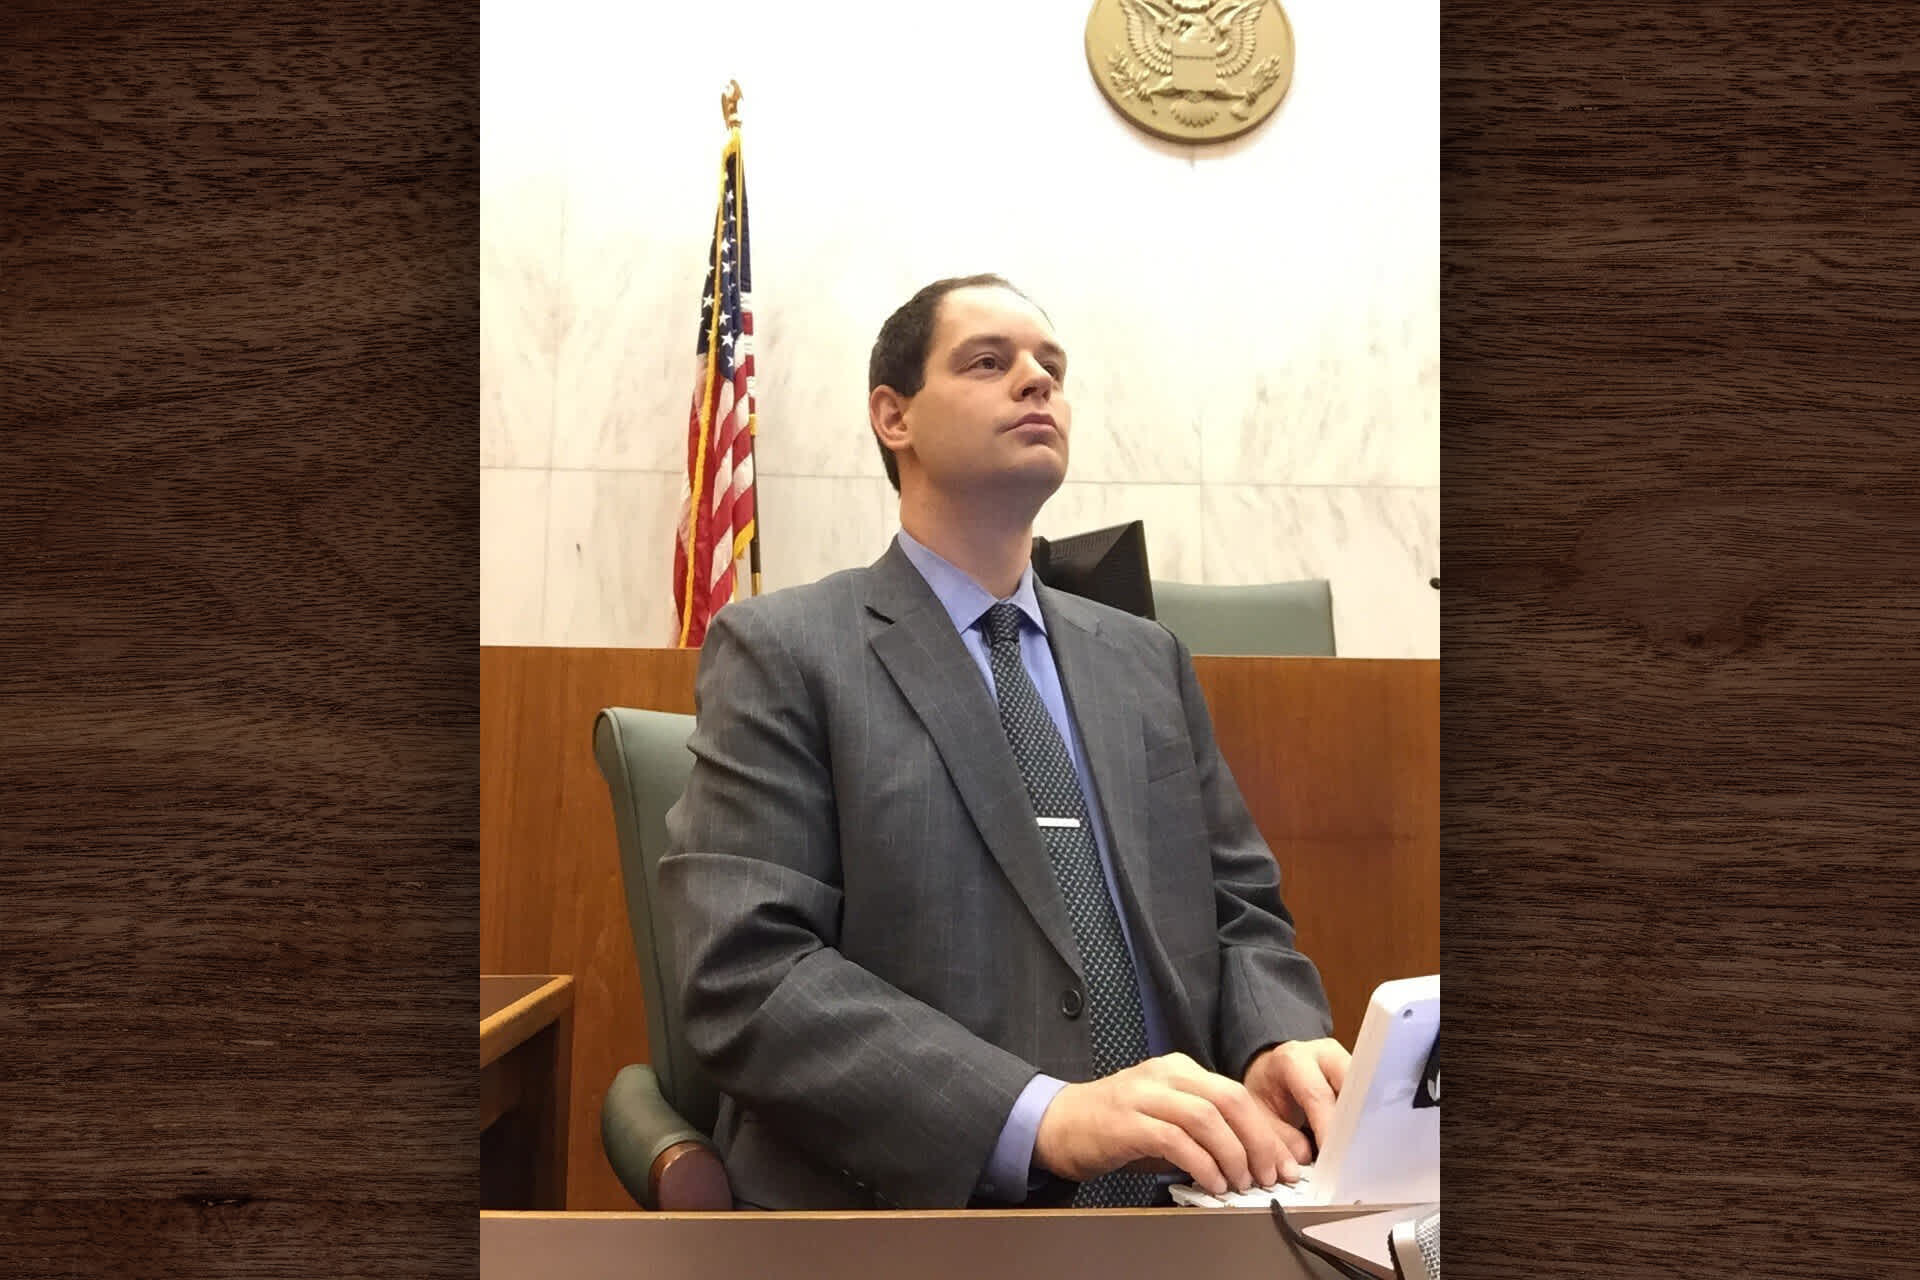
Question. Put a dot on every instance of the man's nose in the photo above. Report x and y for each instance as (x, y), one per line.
(1034, 378)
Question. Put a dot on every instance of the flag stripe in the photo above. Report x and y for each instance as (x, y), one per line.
(717, 521)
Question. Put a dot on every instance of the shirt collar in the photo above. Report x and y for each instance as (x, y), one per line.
(964, 599)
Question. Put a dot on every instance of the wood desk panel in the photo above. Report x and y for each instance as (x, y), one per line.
(514, 1007)
(526, 1076)
(1338, 759)
(1113, 1244)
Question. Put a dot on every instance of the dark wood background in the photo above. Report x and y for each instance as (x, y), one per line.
(1338, 758)
(237, 628)
(238, 837)
(1679, 703)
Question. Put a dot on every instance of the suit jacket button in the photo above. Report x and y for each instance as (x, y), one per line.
(1071, 1003)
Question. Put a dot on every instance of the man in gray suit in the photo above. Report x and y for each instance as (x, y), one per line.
(914, 987)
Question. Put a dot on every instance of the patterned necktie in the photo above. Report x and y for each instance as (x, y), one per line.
(1113, 997)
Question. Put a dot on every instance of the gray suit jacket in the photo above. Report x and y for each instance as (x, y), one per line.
(872, 950)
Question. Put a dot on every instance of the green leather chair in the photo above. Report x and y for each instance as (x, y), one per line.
(1269, 618)
(657, 1118)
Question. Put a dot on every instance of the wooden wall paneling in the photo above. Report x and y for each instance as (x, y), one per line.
(1339, 762)
(1338, 759)
(551, 899)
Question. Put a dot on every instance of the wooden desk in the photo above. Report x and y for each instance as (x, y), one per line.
(1113, 1244)
(526, 1051)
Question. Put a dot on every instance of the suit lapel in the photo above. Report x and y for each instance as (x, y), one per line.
(935, 673)
(1113, 739)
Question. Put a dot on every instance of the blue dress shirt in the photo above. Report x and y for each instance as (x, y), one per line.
(1007, 1176)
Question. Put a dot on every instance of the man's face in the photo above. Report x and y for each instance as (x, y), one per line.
(992, 414)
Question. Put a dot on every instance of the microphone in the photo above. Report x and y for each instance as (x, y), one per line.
(1414, 1246)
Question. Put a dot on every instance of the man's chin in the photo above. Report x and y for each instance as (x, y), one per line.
(1042, 464)
(1039, 479)
(1024, 485)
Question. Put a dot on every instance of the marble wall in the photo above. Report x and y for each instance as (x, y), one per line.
(1254, 326)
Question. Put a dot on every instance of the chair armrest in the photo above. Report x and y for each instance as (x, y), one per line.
(664, 1162)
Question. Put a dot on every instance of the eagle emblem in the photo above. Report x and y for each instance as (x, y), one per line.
(1185, 61)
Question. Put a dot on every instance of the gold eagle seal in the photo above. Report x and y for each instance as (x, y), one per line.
(1191, 70)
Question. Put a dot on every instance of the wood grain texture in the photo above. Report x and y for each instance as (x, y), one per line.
(499, 992)
(1338, 760)
(525, 1113)
(512, 1024)
(1013, 1244)
(238, 836)
(1680, 493)
(238, 617)
(551, 896)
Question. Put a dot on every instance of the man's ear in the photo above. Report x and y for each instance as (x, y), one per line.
(887, 412)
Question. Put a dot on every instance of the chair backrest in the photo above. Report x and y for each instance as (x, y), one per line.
(1271, 618)
(644, 758)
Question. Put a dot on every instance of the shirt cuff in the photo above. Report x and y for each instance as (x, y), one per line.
(1008, 1173)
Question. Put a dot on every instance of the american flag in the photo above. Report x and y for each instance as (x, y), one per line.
(717, 508)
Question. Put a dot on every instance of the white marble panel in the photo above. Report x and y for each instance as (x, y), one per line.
(1348, 393)
(609, 554)
(513, 563)
(1136, 377)
(527, 58)
(633, 261)
(811, 527)
(815, 318)
(1172, 512)
(641, 148)
(644, 157)
(1334, 320)
(523, 307)
(1378, 548)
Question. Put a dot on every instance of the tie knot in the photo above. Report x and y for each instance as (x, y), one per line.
(1003, 624)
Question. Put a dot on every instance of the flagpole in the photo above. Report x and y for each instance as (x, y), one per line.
(730, 113)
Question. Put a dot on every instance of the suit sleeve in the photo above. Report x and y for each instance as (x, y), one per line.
(898, 1096)
(1269, 991)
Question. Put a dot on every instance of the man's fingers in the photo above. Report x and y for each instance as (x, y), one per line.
(1320, 1125)
(1311, 1089)
(1334, 1061)
(1320, 1120)
(1201, 1120)
(1251, 1123)
(1217, 1131)
(1295, 1144)
(1173, 1144)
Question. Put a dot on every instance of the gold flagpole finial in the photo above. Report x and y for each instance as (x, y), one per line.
(730, 104)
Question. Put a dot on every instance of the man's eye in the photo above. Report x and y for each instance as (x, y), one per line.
(985, 361)
(1059, 374)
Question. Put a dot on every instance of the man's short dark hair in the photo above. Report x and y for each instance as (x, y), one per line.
(899, 358)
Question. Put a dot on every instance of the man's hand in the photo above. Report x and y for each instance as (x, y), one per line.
(1299, 1080)
(1168, 1113)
